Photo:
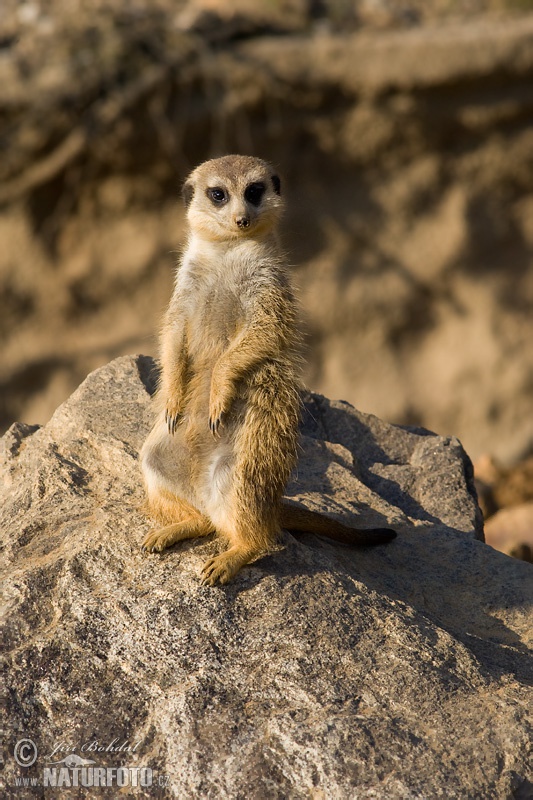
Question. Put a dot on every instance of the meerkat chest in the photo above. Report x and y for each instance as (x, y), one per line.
(212, 307)
(214, 316)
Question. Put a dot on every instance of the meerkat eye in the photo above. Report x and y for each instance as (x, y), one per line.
(217, 195)
(254, 193)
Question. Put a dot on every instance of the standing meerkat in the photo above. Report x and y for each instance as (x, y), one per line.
(228, 404)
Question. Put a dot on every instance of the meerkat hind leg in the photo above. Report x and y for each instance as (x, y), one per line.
(188, 523)
(160, 538)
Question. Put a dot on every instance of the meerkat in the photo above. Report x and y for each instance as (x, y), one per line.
(228, 402)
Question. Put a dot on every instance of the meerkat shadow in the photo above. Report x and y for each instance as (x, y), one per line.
(297, 557)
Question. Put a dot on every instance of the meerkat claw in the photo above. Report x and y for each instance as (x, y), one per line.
(148, 545)
(172, 421)
(214, 425)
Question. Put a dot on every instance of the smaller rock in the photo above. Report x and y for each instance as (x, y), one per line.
(511, 531)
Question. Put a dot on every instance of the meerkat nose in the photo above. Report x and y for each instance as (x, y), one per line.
(242, 222)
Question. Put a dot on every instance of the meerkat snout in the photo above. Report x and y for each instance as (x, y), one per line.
(242, 222)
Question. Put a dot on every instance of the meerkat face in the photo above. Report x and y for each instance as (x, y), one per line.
(233, 197)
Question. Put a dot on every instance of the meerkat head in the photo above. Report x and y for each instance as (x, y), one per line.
(233, 197)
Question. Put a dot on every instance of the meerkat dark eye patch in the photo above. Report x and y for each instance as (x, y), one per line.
(276, 183)
(217, 195)
(254, 193)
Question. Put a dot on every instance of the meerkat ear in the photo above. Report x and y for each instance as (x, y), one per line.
(187, 193)
(276, 183)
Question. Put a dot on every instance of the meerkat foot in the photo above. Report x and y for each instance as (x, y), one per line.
(224, 567)
(161, 538)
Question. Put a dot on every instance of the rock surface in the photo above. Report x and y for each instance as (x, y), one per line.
(398, 671)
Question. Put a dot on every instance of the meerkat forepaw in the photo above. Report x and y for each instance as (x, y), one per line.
(215, 418)
(214, 425)
(172, 420)
(219, 403)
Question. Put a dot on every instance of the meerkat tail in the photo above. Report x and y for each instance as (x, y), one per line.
(295, 518)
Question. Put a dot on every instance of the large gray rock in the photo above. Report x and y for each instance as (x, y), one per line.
(322, 671)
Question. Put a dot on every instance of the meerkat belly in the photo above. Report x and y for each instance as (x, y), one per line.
(211, 458)
(166, 462)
